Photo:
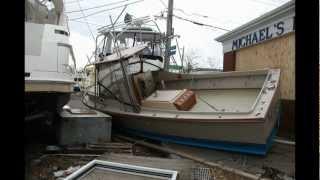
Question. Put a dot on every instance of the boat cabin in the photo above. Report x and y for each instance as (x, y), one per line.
(112, 41)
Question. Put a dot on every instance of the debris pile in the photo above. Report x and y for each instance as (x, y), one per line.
(64, 173)
(274, 174)
(51, 167)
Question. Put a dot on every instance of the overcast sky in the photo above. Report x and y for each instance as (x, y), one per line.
(227, 14)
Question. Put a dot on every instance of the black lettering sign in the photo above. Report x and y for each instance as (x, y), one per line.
(254, 38)
(268, 36)
(262, 36)
(240, 42)
(280, 28)
(248, 39)
(235, 44)
(244, 40)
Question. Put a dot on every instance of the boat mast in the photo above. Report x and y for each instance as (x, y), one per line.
(168, 35)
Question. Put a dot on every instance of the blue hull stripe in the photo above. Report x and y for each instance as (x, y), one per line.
(256, 149)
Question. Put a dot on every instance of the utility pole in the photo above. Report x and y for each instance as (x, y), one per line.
(168, 35)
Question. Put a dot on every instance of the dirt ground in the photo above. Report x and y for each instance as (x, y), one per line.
(40, 165)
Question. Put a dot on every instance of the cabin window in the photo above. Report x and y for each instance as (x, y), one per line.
(61, 32)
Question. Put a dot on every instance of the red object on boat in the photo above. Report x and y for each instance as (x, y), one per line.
(186, 101)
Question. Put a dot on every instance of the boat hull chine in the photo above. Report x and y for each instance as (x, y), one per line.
(254, 149)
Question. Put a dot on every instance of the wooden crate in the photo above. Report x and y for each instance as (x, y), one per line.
(171, 100)
(186, 101)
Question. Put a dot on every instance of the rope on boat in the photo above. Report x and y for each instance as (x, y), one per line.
(207, 103)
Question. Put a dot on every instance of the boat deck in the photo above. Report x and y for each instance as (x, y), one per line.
(215, 100)
(225, 99)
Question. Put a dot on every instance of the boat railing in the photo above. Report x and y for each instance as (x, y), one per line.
(116, 30)
(111, 27)
(263, 89)
(111, 73)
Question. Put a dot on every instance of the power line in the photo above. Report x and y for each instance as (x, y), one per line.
(181, 10)
(194, 14)
(86, 22)
(276, 1)
(98, 12)
(164, 4)
(83, 15)
(125, 7)
(70, 2)
(200, 15)
(265, 3)
(200, 24)
(95, 7)
(205, 16)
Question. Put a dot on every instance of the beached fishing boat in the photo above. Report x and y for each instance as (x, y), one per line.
(234, 111)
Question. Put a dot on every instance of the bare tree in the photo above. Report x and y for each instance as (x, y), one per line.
(213, 63)
(190, 58)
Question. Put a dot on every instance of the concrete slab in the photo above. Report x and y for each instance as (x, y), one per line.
(84, 128)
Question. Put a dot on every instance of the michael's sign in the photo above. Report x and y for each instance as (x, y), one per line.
(258, 36)
(263, 33)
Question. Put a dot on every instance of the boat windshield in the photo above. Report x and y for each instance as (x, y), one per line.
(151, 57)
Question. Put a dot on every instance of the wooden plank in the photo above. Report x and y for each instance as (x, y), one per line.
(163, 99)
(276, 53)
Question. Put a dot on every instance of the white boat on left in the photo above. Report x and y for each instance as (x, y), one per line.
(50, 65)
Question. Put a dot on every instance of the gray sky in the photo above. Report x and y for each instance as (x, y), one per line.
(227, 14)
